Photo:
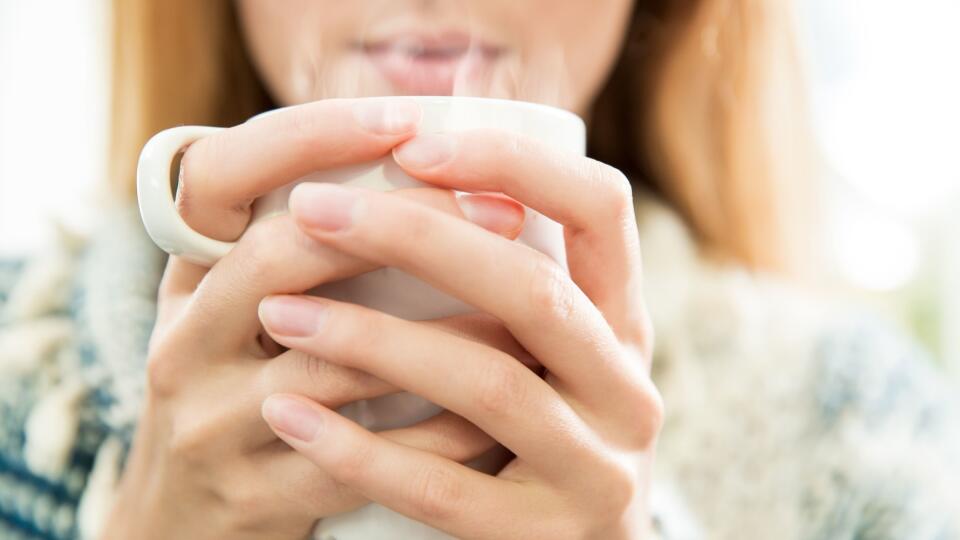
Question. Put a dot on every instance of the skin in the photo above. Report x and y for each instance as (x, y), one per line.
(246, 372)
(304, 48)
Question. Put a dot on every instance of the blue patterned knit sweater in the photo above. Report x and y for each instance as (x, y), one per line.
(74, 325)
(34, 505)
(786, 416)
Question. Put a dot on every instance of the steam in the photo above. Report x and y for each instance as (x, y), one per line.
(324, 66)
(538, 76)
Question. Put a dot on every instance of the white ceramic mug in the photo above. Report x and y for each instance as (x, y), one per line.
(386, 289)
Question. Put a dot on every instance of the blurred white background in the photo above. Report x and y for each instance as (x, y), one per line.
(883, 83)
(53, 106)
(884, 91)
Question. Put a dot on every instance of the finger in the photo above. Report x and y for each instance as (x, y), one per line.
(221, 175)
(312, 489)
(486, 329)
(334, 386)
(180, 278)
(482, 384)
(447, 435)
(592, 200)
(547, 313)
(327, 383)
(275, 256)
(423, 486)
(236, 420)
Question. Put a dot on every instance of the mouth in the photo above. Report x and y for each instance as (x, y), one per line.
(435, 64)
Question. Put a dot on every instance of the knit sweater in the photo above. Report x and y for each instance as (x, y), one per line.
(788, 415)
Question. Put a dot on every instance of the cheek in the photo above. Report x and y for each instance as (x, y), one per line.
(262, 25)
(283, 39)
(588, 35)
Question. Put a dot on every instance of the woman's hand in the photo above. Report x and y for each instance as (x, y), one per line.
(583, 437)
(204, 465)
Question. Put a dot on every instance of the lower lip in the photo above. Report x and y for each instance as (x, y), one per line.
(435, 75)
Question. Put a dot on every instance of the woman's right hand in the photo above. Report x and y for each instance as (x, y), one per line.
(203, 463)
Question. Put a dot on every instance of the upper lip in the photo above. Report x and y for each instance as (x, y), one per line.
(437, 46)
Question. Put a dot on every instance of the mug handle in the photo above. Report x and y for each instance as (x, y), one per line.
(156, 199)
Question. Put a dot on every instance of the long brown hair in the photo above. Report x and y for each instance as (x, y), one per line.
(704, 109)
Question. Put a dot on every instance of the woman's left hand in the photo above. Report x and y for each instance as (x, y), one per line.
(583, 436)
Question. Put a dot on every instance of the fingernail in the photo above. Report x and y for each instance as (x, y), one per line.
(496, 213)
(388, 116)
(291, 316)
(425, 151)
(326, 207)
(292, 417)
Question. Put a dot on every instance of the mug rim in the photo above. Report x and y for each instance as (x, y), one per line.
(171, 233)
(552, 110)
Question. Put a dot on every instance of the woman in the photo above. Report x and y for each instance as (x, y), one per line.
(786, 417)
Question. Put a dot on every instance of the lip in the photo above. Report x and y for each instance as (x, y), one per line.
(430, 64)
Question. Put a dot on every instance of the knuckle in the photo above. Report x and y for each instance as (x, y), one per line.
(247, 506)
(317, 373)
(551, 296)
(615, 187)
(619, 481)
(164, 367)
(500, 388)
(643, 414)
(162, 375)
(333, 385)
(189, 443)
(652, 414)
(260, 251)
(435, 494)
(263, 233)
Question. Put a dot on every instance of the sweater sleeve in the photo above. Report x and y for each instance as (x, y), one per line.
(893, 418)
(42, 475)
